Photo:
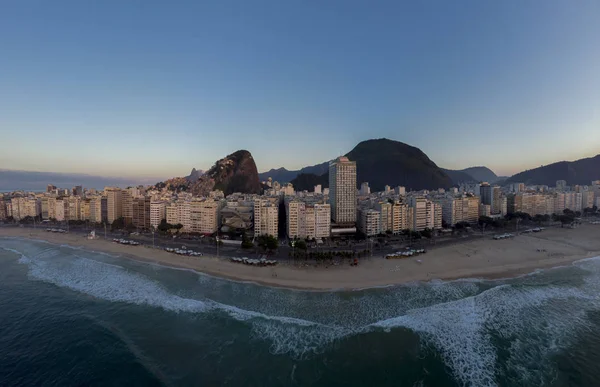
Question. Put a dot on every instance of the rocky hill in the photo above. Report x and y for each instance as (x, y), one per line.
(386, 162)
(581, 171)
(472, 174)
(235, 173)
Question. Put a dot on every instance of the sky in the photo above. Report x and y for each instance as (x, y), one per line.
(153, 88)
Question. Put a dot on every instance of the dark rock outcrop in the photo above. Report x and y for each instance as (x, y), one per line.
(234, 173)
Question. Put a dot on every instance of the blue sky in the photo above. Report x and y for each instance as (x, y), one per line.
(154, 88)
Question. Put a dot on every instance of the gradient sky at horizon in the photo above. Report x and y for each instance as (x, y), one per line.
(154, 88)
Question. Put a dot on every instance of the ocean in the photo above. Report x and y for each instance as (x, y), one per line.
(71, 317)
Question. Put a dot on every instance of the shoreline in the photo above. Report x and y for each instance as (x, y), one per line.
(475, 259)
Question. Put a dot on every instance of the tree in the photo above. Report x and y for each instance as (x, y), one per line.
(246, 243)
(268, 242)
(427, 233)
(485, 220)
(118, 224)
(301, 245)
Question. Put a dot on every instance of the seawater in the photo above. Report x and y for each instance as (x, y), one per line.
(72, 317)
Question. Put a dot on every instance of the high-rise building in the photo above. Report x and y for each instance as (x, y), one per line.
(84, 208)
(342, 190)
(490, 195)
(96, 209)
(74, 207)
(127, 206)
(44, 206)
(369, 222)
(434, 215)
(171, 213)
(104, 209)
(77, 190)
(157, 213)
(322, 221)
(141, 212)
(418, 206)
(61, 210)
(114, 203)
(296, 219)
(399, 190)
(266, 217)
(50, 188)
(318, 189)
(51, 208)
(2, 209)
(204, 216)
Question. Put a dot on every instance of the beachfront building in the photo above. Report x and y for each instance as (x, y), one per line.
(342, 190)
(95, 209)
(23, 207)
(418, 207)
(305, 219)
(266, 217)
(140, 211)
(51, 207)
(433, 215)
(74, 203)
(84, 208)
(157, 212)
(61, 210)
(587, 198)
(462, 209)
(127, 206)
(114, 203)
(204, 216)
(369, 222)
(171, 215)
(44, 207)
(296, 219)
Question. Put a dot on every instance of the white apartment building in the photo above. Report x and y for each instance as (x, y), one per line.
(96, 209)
(266, 218)
(74, 203)
(171, 213)
(23, 207)
(434, 215)
(342, 190)
(157, 212)
(587, 199)
(114, 203)
(296, 219)
(465, 209)
(204, 216)
(84, 207)
(183, 215)
(61, 210)
(418, 206)
(322, 220)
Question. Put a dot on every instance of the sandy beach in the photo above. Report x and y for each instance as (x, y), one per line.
(485, 258)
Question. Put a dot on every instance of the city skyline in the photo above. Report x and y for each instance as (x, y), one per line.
(118, 90)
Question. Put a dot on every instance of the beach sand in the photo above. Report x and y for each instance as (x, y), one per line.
(484, 258)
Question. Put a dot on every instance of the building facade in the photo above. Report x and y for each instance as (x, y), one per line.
(342, 190)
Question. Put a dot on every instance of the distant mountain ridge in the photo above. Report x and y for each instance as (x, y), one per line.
(383, 162)
(581, 171)
(472, 175)
(283, 175)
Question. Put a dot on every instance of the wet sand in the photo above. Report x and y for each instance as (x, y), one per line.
(484, 258)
